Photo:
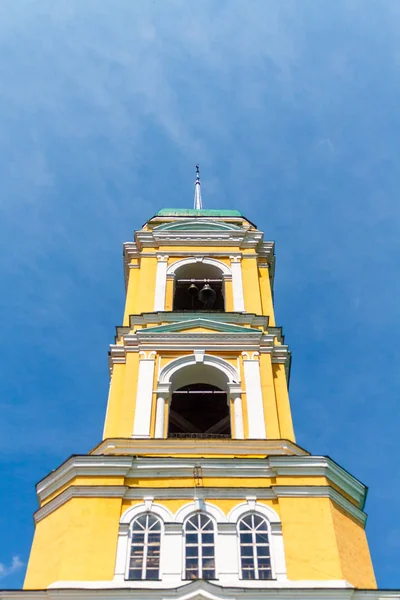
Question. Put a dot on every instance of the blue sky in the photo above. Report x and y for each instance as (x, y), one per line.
(291, 109)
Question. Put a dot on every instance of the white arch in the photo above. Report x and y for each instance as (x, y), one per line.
(209, 360)
(155, 509)
(205, 507)
(262, 509)
(226, 271)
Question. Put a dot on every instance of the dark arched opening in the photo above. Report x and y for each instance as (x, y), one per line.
(199, 287)
(199, 410)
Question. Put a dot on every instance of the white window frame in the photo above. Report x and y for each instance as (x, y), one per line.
(145, 548)
(254, 547)
(215, 534)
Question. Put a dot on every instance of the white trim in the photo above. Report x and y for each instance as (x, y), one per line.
(160, 413)
(161, 282)
(238, 416)
(172, 367)
(134, 511)
(225, 270)
(237, 284)
(144, 397)
(254, 399)
(240, 510)
(185, 511)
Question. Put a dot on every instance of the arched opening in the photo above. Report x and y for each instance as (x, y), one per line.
(199, 287)
(199, 404)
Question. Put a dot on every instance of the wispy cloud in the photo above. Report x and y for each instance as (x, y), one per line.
(15, 565)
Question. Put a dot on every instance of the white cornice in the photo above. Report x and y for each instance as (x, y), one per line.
(142, 468)
(205, 493)
(201, 590)
(178, 447)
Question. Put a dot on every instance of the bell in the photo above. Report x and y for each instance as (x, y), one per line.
(193, 290)
(207, 296)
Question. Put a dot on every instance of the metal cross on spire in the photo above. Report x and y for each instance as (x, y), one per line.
(197, 191)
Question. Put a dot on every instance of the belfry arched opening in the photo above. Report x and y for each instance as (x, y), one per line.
(199, 404)
(199, 287)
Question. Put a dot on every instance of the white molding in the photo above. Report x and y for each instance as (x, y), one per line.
(161, 282)
(206, 507)
(144, 398)
(242, 509)
(134, 511)
(237, 284)
(254, 399)
(175, 365)
(175, 266)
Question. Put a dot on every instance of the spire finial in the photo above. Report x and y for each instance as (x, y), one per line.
(197, 191)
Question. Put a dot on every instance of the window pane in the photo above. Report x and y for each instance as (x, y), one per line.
(208, 574)
(151, 573)
(261, 538)
(247, 563)
(264, 574)
(191, 538)
(248, 574)
(246, 550)
(207, 538)
(192, 574)
(264, 563)
(136, 563)
(192, 551)
(190, 526)
(246, 521)
(191, 563)
(208, 550)
(246, 538)
(153, 538)
(138, 538)
(208, 563)
(262, 551)
(137, 551)
(135, 574)
(141, 521)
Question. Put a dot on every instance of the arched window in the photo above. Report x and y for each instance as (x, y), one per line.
(144, 560)
(255, 557)
(199, 547)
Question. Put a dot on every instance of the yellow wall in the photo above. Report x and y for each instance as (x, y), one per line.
(251, 288)
(353, 550)
(266, 295)
(282, 402)
(76, 542)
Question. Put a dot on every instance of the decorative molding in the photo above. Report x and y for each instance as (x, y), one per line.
(216, 362)
(175, 266)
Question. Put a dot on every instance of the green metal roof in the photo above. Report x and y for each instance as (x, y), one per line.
(192, 212)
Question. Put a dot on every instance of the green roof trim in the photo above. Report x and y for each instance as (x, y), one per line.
(201, 225)
(200, 322)
(193, 212)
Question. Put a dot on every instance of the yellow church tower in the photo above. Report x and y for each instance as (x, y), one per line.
(198, 488)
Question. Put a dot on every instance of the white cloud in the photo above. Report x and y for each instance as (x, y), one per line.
(16, 565)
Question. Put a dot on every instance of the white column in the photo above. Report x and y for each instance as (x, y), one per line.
(161, 282)
(227, 555)
(144, 395)
(238, 416)
(237, 284)
(160, 412)
(255, 408)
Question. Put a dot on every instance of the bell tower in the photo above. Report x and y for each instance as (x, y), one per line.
(198, 487)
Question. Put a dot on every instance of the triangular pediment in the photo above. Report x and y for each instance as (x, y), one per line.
(198, 325)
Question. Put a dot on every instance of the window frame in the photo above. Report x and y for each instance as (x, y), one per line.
(200, 555)
(160, 530)
(254, 546)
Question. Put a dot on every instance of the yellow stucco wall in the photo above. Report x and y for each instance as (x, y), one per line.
(353, 549)
(76, 542)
